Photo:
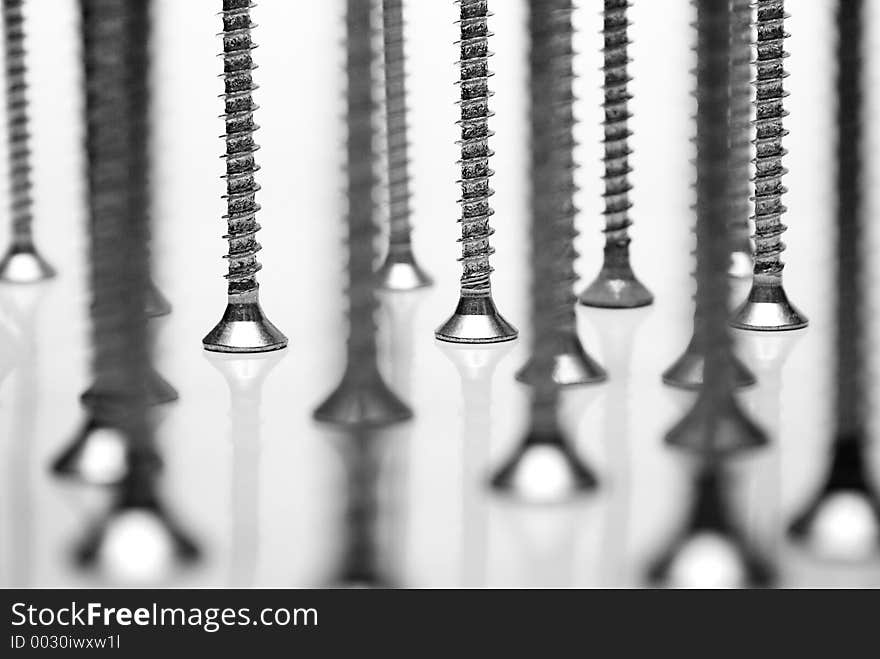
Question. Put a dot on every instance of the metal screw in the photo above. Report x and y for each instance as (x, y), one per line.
(709, 525)
(716, 423)
(616, 286)
(552, 198)
(115, 40)
(399, 272)
(22, 263)
(243, 327)
(741, 258)
(767, 307)
(362, 397)
(848, 491)
(475, 320)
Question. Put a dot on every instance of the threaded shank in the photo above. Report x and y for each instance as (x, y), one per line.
(19, 154)
(395, 124)
(617, 132)
(552, 195)
(769, 115)
(241, 185)
(115, 36)
(740, 115)
(475, 151)
(362, 182)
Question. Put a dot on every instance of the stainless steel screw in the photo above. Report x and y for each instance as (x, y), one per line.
(552, 199)
(848, 489)
(115, 39)
(616, 286)
(767, 307)
(742, 260)
(552, 300)
(243, 327)
(716, 423)
(22, 263)
(399, 272)
(362, 397)
(475, 320)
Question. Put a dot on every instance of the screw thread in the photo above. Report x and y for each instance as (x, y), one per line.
(475, 152)
(241, 185)
(851, 403)
(396, 125)
(553, 189)
(712, 191)
(617, 132)
(115, 34)
(362, 182)
(769, 115)
(17, 120)
(740, 115)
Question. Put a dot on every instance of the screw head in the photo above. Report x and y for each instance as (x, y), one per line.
(22, 264)
(572, 365)
(244, 328)
(476, 320)
(544, 469)
(687, 371)
(362, 400)
(616, 288)
(400, 272)
(768, 309)
(706, 430)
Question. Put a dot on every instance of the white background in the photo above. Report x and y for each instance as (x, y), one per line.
(442, 528)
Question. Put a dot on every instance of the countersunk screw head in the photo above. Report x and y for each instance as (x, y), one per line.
(476, 320)
(244, 328)
(362, 400)
(614, 288)
(400, 272)
(22, 264)
(716, 427)
(571, 365)
(767, 309)
(687, 371)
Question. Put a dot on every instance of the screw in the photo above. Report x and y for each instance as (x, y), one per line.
(616, 286)
(545, 467)
(843, 520)
(710, 528)
(552, 198)
(475, 320)
(243, 327)
(767, 307)
(22, 263)
(399, 272)
(716, 423)
(742, 260)
(362, 397)
(115, 40)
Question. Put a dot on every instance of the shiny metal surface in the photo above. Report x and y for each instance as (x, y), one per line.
(476, 320)
(768, 309)
(687, 371)
(244, 328)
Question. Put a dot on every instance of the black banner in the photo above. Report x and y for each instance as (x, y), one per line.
(416, 622)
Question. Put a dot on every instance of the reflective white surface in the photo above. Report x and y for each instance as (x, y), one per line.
(249, 475)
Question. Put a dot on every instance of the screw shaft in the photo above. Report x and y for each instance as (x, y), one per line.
(552, 195)
(769, 114)
(617, 134)
(851, 403)
(17, 120)
(241, 167)
(114, 51)
(475, 151)
(740, 115)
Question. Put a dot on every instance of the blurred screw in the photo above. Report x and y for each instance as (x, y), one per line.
(552, 198)
(767, 307)
(742, 260)
(362, 398)
(399, 272)
(716, 423)
(244, 327)
(710, 551)
(545, 467)
(843, 520)
(115, 51)
(616, 286)
(22, 264)
(475, 320)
